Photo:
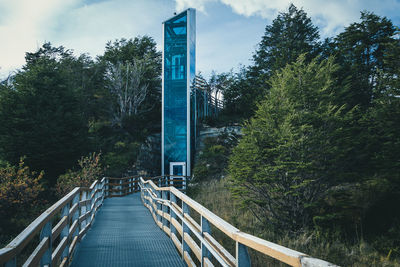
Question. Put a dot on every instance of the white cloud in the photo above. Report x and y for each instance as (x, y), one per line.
(22, 27)
(330, 15)
(82, 25)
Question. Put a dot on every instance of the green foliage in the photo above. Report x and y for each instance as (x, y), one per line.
(283, 163)
(290, 35)
(20, 189)
(89, 171)
(41, 114)
(361, 50)
(213, 157)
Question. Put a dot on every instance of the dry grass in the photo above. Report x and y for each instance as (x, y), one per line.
(215, 196)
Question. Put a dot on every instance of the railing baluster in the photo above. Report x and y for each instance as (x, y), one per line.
(164, 195)
(172, 214)
(107, 181)
(205, 228)
(83, 210)
(75, 216)
(242, 255)
(159, 206)
(185, 229)
(65, 230)
(46, 233)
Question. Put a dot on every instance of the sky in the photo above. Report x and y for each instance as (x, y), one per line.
(228, 31)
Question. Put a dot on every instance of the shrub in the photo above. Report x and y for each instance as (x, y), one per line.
(90, 170)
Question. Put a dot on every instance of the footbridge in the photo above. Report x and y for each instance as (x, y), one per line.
(137, 221)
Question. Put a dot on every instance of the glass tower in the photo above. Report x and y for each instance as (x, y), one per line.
(179, 36)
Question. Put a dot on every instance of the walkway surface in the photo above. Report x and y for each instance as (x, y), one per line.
(125, 234)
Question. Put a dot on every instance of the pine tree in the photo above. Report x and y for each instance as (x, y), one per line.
(286, 158)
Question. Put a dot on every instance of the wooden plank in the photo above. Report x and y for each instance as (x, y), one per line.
(178, 244)
(273, 250)
(73, 208)
(167, 230)
(84, 216)
(188, 260)
(207, 262)
(59, 227)
(167, 216)
(179, 209)
(73, 244)
(193, 245)
(84, 202)
(177, 225)
(16, 245)
(73, 228)
(55, 256)
(34, 258)
(229, 259)
(64, 262)
(193, 223)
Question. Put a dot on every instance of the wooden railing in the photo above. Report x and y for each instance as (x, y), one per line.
(171, 210)
(59, 228)
(119, 187)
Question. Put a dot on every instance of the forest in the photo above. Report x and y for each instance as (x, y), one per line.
(318, 156)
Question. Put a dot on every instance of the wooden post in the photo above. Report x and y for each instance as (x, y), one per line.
(205, 228)
(65, 230)
(46, 233)
(242, 256)
(107, 187)
(172, 214)
(185, 229)
(83, 210)
(164, 195)
(75, 216)
(159, 207)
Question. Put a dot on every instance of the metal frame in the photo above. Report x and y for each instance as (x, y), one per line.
(190, 12)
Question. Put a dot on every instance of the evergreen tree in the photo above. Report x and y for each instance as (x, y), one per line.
(361, 50)
(291, 34)
(286, 158)
(41, 115)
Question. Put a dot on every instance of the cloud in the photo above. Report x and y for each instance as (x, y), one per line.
(330, 15)
(82, 25)
(22, 26)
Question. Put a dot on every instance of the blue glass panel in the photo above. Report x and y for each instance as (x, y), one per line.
(175, 90)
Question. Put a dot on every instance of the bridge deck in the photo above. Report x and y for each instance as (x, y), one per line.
(125, 234)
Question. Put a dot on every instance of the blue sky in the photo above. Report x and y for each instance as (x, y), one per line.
(227, 30)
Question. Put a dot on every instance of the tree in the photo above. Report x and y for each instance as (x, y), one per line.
(286, 158)
(41, 114)
(90, 169)
(141, 49)
(19, 198)
(291, 34)
(126, 83)
(361, 51)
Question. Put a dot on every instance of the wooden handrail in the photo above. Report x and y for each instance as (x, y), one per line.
(243, 240)
(91, 199)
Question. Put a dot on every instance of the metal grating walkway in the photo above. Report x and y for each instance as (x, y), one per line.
(125, 234)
